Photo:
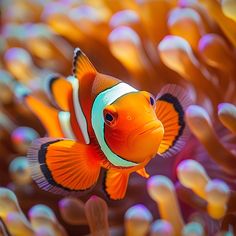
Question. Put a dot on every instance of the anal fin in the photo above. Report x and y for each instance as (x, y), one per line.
(143, 173)
(116, 184)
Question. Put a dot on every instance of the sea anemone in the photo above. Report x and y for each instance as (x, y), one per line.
(146, 43)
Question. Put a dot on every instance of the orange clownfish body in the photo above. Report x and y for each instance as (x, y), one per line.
(102, 123)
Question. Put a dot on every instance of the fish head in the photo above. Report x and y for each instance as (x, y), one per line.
(132, 129)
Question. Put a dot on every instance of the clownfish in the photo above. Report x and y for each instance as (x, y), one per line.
(102, 122)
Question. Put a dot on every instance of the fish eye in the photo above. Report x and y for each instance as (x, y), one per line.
(109, 117)
(152, 101)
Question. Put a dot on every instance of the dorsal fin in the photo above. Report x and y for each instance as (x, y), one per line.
(59, 89)
(82, 65)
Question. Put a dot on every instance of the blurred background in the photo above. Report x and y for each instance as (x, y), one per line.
(146, 43)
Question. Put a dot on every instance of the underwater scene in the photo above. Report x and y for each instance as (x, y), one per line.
(118, 117)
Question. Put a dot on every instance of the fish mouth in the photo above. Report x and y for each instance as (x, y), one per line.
(152, 127)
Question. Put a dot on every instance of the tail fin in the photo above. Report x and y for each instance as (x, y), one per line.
(63, 166)
(46, 114)
(171, 103)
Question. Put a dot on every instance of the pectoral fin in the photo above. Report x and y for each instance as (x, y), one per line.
(171, 103)
(63, 166)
